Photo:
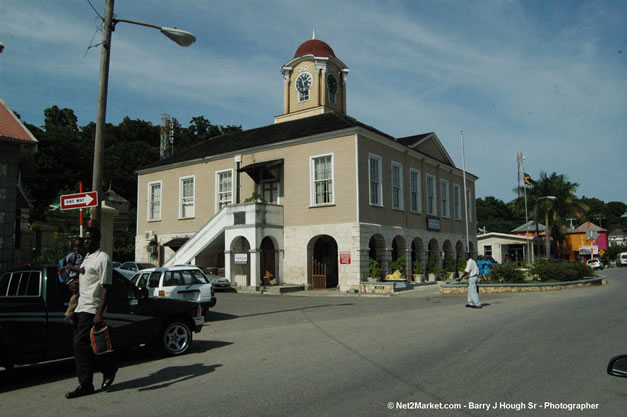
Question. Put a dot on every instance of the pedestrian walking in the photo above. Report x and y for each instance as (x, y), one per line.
(96, 275)
(472, 271)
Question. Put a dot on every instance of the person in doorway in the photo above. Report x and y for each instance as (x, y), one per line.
(472, 271)
(96, 277)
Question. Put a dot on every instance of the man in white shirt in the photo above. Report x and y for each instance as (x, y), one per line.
(94, 281)
(472, 271)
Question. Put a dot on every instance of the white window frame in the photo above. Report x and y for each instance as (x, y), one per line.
(415, 186)
(432, 210)
(445, 196)
(457, 201)
(218, 193)
(151, 202)
(469, 204)
(398, 186)
(312, 180)
(379, 180)
(193, 197)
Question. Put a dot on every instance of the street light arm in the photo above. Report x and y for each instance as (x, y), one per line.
(181, 37)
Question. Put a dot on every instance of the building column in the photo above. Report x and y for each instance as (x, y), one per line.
(255, 267)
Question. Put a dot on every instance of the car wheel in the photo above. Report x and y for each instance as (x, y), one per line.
(176, 338)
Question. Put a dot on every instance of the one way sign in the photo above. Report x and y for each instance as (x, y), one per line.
(80, 200)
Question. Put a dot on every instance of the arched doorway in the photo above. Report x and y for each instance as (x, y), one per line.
(267, 254)
(376, 249)
(323, 258)
(417, 254)
(433, 261)
(240, 261)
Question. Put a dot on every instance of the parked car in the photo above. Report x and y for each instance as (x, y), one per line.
(186, 282)
(621, 259)
(593, 263)
(115, 264)
(618, 366)
(128, 269)
(32, 326)
(219, 282)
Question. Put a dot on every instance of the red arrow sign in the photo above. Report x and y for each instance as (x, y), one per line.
(80, 200)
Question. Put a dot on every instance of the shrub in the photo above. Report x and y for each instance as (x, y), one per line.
(432, 266)
(449, 263)
(419, 267)
(507, 272)
(374, 270)
(560, 272)
(399, 265)
(461, 265)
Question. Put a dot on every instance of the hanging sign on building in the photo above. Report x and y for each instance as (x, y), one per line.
(345, 257)
(433, 223)
(240, 259)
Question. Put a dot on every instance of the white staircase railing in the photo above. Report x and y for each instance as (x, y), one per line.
(202, 239)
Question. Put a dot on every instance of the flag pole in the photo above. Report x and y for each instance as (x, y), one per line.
(465, 193)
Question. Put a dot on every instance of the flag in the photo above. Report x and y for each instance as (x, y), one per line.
(528, 180)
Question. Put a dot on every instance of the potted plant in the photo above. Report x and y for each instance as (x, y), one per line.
(374, 270)
(256, 198)
(419, 270)
(433, 269)
(449, 266)
(400, 265)
(461, 265)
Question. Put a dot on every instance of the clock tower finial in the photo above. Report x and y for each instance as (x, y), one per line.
(313, 35)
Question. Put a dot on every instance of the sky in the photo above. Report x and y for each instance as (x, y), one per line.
(545, 78)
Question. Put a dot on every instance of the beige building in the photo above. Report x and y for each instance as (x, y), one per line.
(309, 199)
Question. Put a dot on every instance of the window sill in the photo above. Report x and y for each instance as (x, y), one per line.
(322, 205)
(187, 218)
(153, 220)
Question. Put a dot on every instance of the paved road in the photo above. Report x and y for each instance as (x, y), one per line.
(352, 355)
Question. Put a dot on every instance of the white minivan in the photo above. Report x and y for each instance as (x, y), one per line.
(186, 282)
(621, 259)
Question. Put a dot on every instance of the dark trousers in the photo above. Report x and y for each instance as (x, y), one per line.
(86, 361)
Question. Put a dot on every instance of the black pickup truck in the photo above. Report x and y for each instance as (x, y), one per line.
(33, 328)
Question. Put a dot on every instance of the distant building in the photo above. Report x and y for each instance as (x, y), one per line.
(121, 221)
(331, 192)
(581, 237)
(617, 238)
(13, 137)
(502, 246)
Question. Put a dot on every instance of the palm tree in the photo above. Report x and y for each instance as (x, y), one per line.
(566, 205)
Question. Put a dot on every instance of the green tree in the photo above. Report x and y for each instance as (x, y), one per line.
(565, 205)
(495, 215)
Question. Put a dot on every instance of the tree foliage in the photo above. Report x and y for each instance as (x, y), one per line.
(65, 155)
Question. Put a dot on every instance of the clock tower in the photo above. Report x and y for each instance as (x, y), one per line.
(314, 82)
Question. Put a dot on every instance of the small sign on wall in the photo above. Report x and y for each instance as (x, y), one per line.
(240, 259)
(433, 223)
(345, 257)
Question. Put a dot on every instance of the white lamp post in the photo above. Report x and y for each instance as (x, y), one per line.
(181, 37)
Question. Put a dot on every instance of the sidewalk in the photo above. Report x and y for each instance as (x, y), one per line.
(418, 291)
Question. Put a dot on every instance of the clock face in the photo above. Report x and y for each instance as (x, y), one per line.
(332, 83)
(303, 82)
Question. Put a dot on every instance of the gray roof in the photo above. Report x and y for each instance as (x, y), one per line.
(530, 226)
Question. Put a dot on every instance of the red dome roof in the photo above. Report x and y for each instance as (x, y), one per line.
(314, 47)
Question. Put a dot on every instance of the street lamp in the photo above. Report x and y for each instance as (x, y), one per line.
(546, 227)
(181, 37)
